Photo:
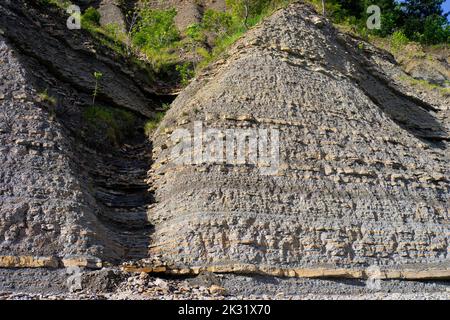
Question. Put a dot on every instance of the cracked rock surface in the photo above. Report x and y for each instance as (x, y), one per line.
(363, 177)
(68, 196)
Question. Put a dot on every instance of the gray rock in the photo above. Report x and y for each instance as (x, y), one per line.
(101, 281)
(362, 177)
(358, 157)
(62, 196)
(111, 14)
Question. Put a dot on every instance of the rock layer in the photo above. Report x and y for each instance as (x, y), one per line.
(67, 194)
(363, 177)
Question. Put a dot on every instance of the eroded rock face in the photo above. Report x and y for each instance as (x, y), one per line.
(363, 174)
(67, 198)
(35, 165)
(361, 178)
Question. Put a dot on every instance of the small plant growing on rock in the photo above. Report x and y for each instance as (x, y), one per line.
(98, 76)
(90, 17)
(45, 97)
(49, 101)
(152, 124)
(111, 123)
(186, 73)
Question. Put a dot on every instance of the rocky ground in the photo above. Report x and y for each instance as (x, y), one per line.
(112, 284)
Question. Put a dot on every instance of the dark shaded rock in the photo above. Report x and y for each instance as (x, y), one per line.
(101, 281)
(205, 279)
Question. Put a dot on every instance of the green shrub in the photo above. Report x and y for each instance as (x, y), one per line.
(389, 22)
(436, 30)
(113, 124)
(217, 22)
(156, 35)
(186, 72)
(63, 4)
(115, 32)
(152, 124)
(248, 10)
(420, 20)
(425, 21)
(49, 102)
(227, 27)
(156, 29)
(90, 17)
(195, 32)
(44, 96)
(398, 40)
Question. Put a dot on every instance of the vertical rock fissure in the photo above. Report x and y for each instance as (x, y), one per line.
(123, 197)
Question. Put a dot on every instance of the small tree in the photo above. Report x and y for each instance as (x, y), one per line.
(246, 4)
(97, 76)
(424, 14)
(247, 9)
(196, 37)
(131, 19)
(217, 22)
(155, 29)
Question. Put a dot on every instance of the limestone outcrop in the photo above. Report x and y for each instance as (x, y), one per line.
(68, 196)
(363, 171)
(342, 165)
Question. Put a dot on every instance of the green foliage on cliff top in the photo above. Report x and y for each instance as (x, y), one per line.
(419, 20)
(90, 17)
(156, 35)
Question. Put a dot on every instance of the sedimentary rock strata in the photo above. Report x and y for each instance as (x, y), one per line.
(363, 174)
(303, 155)
(67, 196)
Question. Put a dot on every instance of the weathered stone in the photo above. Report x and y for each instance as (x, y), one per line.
(218, 290)
(112, 15)
(362, 178)
(28, 262)
(357, 157)
(62, 195)
(87, 262)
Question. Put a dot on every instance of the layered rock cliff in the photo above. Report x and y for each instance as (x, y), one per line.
(343, 165)
(363, 172)
(69, 195)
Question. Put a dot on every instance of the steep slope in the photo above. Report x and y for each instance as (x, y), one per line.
(69, 193)
(363, 172)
